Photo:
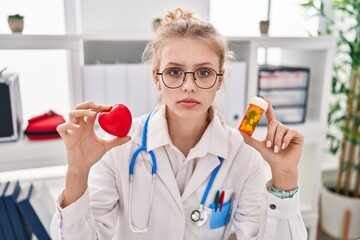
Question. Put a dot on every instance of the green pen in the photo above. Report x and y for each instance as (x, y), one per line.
(216, 200)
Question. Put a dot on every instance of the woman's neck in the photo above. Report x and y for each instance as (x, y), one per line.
(185, 133)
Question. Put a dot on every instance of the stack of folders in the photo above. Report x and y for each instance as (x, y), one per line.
(26, 210)
(287, 89)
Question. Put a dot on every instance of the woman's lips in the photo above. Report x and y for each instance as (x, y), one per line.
(188, 102)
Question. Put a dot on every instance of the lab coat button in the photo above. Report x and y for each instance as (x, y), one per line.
(272, 206)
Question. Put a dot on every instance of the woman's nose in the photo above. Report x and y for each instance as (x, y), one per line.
(189, 83)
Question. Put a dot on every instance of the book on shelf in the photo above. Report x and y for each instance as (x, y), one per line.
(20, 228)
(4, 216)
(37, 206)
(2, 236)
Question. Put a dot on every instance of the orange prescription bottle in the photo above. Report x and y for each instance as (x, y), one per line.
(257, 106)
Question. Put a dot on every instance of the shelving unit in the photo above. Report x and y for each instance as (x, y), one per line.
(315, 53)
(71, 43)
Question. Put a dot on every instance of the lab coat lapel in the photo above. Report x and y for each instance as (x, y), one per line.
(201, 175)
(158, 138)
(166, 175)
(213, 143)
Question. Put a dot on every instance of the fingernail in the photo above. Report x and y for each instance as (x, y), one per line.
(283, 146)
(268, 143)
(276, 149)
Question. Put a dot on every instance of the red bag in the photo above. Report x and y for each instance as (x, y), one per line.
(43, 127)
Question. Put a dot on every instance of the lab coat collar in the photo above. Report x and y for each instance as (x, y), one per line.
(158, 134)
(214, 140)
(214, 143)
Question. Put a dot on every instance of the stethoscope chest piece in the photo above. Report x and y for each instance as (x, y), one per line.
(199, 216)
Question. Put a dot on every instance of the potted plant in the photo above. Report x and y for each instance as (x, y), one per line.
(156, 23)
(16, 23)
(264, 27)
(343, 194)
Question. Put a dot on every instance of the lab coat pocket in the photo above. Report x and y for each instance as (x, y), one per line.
(219, 217)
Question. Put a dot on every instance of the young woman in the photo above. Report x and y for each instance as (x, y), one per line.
(195, 177)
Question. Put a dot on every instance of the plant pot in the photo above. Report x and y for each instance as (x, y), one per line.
(264, 27)
(16, 25)
(333, 208)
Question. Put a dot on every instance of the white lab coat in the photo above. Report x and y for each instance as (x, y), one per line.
(102, 211)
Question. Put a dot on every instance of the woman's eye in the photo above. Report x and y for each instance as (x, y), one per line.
(175, 72)
(203, 72)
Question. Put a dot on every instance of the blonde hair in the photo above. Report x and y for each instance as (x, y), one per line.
(182, 23)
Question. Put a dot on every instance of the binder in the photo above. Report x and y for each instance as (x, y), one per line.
(116, 89)
(37, 207)
(138, 83)
(94, 84)
(18, 224)
(2, 236)
(4, 216)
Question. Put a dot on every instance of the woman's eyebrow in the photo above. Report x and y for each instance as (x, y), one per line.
(203, 64)
(196, 65)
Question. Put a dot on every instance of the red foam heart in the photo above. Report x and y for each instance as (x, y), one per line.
(116, 121)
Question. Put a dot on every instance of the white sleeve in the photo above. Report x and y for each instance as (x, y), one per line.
(74, 221)
(95, 213)
(281, 218)
(261, 216)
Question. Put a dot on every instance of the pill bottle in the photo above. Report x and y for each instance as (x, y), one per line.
(257, 106)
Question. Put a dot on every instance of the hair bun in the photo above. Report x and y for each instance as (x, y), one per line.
(180, 14)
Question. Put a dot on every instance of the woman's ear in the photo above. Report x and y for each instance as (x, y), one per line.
(156, 79)
(221, 79)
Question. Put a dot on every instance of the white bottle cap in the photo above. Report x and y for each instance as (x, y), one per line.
(259, 102)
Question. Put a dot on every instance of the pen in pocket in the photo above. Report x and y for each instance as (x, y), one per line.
(216, 200)
(221, 200)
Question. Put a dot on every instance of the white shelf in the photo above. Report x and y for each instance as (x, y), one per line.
(23, 41)
(25, 154)
(117, 37)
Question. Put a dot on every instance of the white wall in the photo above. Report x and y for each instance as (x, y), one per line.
(135, 16)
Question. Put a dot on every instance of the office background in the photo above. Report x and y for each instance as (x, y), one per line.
(85, 33)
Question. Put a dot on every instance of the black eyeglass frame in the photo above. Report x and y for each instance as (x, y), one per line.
(194, 78)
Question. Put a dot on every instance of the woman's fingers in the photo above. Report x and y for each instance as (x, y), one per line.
(275, 137)
(62, 129)
(293, 136)
(270, 114)
(271, 131)
(77, 115)
(86, 110)
(281, 130)
(93, 106)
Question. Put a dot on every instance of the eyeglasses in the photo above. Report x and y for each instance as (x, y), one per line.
(204, 78)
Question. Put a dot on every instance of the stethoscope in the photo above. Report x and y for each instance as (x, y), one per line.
(198, 216)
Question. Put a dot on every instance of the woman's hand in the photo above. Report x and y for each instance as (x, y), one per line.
(281, 149)
(83, 147)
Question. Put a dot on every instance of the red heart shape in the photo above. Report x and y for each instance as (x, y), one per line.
(116, 121)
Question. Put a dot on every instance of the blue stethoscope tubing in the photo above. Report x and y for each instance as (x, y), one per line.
(143, 148)
(198, 216)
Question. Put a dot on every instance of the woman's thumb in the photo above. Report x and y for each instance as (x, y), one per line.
(251, 141)
(117, 141)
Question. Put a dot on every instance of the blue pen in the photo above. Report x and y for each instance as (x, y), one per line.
(216, 200)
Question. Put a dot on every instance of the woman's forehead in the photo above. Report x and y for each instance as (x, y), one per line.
(187, 51)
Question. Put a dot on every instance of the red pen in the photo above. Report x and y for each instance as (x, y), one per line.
(221, 200)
